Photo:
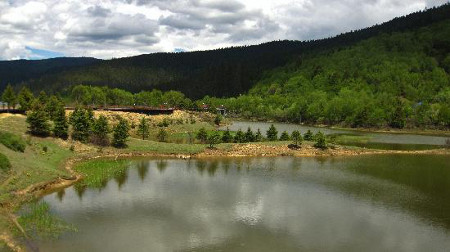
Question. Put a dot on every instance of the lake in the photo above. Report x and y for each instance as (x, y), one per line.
(362, 203)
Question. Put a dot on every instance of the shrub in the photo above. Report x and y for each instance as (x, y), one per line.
(5, 165)
(38, 121)
(320, 141)
(162, 135)
(100, 130)
(80, 119)
(239, 137)
(202, 135)
(143, 128)
(284, 136)
(272, 133)
(218, 119)
(258, 136)
(13, 142)
(249, 136)
(60, 127)
(213, 139)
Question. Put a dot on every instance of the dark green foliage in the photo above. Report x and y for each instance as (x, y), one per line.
(239, 137)
(162, 135)
(37, 119)
(120, 133)
(13, 142)
(213, 139)
(80, 119)
(258, 136)
(25, 98)
(164, 123)
(5, 165)
(9, 96)
(249, 136)
(53, 106)
(202, 135)
(226, 137)
(60, 124)
(284, 136)
(321, 142)
(218, 119)
(272, 133)
(100, 130)
(308, 136)
(143, 128)
(297, 137)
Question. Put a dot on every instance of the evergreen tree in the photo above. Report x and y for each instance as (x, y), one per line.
(226, 137)
(9, 96)
(25, 99)
(202, 135)
(321, 142)
(81, 123)
(308, 136)
(249, 136)
(121, 133)
(42, 98)
(239, 137)
(297, 137)
(162, 135)
(213, 139)
(60, 125)
(258, 136)
(100, 130)
(52, 106)
(272, 133)
(284, 136)
(38, 122)
(143, 128)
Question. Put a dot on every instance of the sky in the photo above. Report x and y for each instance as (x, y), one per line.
(31, 29)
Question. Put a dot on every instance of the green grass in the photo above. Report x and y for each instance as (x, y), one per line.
(5, 165)
(96, 173)
(12, 141)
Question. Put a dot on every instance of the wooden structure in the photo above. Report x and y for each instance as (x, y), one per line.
(135, 109)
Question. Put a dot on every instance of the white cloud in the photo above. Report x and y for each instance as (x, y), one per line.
(116, 28)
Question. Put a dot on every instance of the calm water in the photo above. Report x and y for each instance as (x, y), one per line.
(370, 203)
(377, 140)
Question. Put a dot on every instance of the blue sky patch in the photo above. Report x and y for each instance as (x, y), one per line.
(43, 54)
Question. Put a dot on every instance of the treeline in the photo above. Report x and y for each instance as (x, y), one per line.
(397, 80)
(222, 73)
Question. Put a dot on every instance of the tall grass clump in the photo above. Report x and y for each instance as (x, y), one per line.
(13, 142)
(5, 165)
(97, 172)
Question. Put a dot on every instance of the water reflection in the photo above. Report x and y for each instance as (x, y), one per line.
(278, 204)
(121, 178)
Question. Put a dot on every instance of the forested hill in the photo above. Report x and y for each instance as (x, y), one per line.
(222, 72)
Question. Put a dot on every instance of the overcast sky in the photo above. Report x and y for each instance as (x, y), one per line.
(116, 28)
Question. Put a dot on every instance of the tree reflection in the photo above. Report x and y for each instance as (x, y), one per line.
(161, 165)
(212, 168)
(121, 178)
(60, 195)
(142, 168)
(80, 190)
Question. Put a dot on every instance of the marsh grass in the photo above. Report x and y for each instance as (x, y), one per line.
(38, 222)
(12, 141)
(97, 173)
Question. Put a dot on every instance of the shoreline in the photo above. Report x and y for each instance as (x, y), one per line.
(238, 150)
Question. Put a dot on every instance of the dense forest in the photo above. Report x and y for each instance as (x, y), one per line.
(223, 72)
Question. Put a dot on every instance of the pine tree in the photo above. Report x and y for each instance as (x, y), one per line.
(284, 136)
(52, 106)
(239, 137)
(100, 130)
(143, 128)
(121, 133)
(272, 133)
(308, 136)
(226, 137)
(297, 137)
(213, 139)
(249, 136)
(9, 97)
(81, 123)
(258, 136)
(60, 124)
(321, 142)
(25, 99)
(202, 135)
(38, 121)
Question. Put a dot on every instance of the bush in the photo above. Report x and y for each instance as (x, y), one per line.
(38, 122)
(239, 137)
(258, 136)
(13, 142)
(213, 139)
(202, 135)
(162, 135)
(5, 165)
(218, 119)
(226, 137)
(297, 138)
(100, 130)
(121, 133)
(80, 119)
(308, 136)
(249, 136)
